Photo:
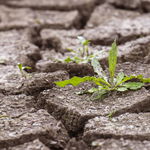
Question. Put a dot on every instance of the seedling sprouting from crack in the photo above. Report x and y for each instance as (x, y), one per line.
(21, 68)
(106, 85)
(83, 55)
(110, 115)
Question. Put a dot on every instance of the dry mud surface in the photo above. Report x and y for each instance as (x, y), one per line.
(37, 114)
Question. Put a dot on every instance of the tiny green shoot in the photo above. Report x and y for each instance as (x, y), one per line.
(83, 55)
(104, 83)
(21, 68)
(110, 115)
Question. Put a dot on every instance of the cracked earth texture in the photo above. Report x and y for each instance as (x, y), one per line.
(37, 114)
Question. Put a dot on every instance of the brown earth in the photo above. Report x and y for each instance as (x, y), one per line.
(37, 114)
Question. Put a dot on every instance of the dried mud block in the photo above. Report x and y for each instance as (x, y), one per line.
(52, 4)
(14, 106)
(12, 82)
(72, 68)
(121, 144)
(15, 47)
(31, 126)
(59, 39)
(35, 145)
(76, 145)
(111, 15)
(127, 126)
(22, 18)
(74, 110)
(121, 30)
(135, 51)
(42, 81)
(11, 79)
(134, 4)
(85, 7)
(146, 5)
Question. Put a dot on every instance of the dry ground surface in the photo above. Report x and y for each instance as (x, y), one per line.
(37, 114)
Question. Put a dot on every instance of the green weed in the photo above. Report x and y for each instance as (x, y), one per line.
(110, 115)
(83, 55)
(21, 68)
(104, 84)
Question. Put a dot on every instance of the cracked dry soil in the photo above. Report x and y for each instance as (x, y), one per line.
(37, 114)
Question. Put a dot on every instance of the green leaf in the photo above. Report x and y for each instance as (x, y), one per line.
(100, 94)
(75, 81)
(133, 85)
(77, 60)
(81, 39)
(143, 79)
(26, 67)
(86, 42)
(19, 66)
(101, 81)
(100, 52)
(68, 60)
(98, 69)
(120, 77)
(71, 50)
(112, 61)
(122, 89)
(127, 78)
(92, 90)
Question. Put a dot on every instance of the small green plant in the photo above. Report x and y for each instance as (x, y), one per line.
(21, 68)
(83, 55)
(110, 115)
(104, 84)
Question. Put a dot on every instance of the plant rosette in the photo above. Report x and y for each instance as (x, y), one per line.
(104, 83)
